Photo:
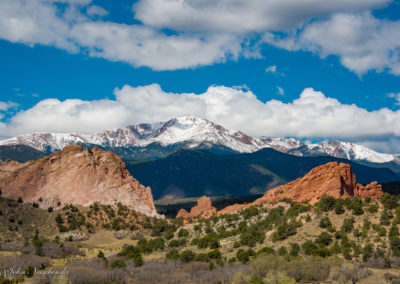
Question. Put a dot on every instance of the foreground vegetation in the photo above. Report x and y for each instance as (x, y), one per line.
(334, 241)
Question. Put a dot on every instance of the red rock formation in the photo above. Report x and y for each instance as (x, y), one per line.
(203, 209)
(76, 176)
(331, 179)
(182, 213)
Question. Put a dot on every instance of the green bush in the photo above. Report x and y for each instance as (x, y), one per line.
(117, 263)
(395, 246)
(348, 225)
(389, 201)
(172, 254)
(325, 222)
(326, 203)
(183, 233)
(187, 256)
(324, 239)
(242, 256)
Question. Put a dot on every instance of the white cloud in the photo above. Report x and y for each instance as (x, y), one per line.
(207, 32)
(96, 11)
(395, 96)
(312, 115)
(41, 22)
(241, 16)
(361, 41)
(4, 106)
(271, 69)
(280, 90)
(143, 46)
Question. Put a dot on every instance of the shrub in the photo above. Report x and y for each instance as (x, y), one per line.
(327, 203)
(183, 233)
(169, 235)
(385, 218)
(284, 230)
(389, 201)
(50, 209)
(348, 224)
(20, 200)
(187, 256)
(339, 209)
(282, 251)
(203, 257)
(177, 243)
(215, 254)
(249, 212)
(309, 247)
(395, 246)
(367, 252)
(357, 206)
(373, 208)
(324, 239)
(266, 250)
(294, 250)
(172, 254)
(117, 263)
(242, 256)
(325, 222)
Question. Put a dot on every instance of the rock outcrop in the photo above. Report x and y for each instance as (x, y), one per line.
(77, 176)
(332, 179)
(203, 209)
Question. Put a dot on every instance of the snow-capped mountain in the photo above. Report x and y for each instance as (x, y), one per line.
(338, 149)
(159, 139)
(191, 131)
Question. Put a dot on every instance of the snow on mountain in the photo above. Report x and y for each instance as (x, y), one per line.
(194, 132)
(283, 144)
(351, 151)
(191, 130)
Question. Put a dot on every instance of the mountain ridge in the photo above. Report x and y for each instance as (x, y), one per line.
(159, 139)
(193, 173)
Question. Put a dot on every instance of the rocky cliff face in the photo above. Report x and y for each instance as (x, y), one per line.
(76, 176)
(332, 179)
(203, 209)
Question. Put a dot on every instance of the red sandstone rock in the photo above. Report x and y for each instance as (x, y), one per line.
(331, 179)
(203, 209)
(182, 213)
(76, 176)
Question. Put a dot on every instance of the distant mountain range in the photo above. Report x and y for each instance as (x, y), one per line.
(156, 140)
(190, 173)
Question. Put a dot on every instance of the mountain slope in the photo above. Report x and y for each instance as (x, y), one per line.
(184, 132)
(155, 140)
(20, 153)
(190, 173)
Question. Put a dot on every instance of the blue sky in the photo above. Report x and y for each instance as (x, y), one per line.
(91, 56)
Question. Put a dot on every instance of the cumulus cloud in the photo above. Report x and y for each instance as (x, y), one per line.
(312, 115)
(207, 32)
(241, 16)
(41, 22)
(361, 41)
